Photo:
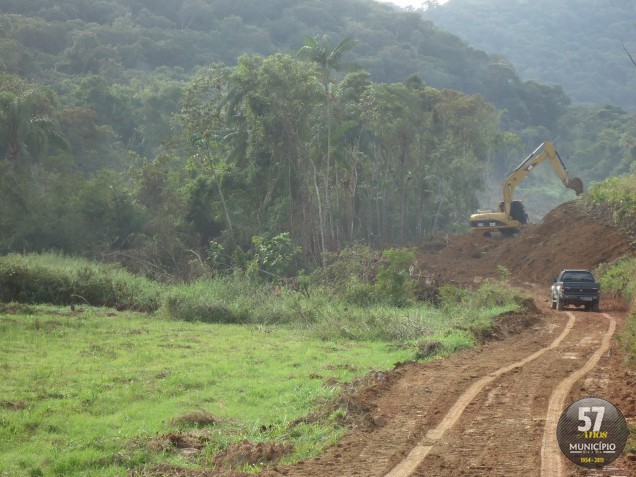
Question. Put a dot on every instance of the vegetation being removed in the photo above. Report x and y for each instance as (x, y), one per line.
(614, 201)
(219, 363)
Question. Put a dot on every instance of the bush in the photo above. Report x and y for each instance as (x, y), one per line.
(362, 276)
(615, 200)
(235, 300)
(359, 293)
(491, 294)
(393, 274)
(356, 263)
(620, 278)
(60, 280)
(450, 295)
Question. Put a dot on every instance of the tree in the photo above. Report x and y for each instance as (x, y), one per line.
(318, 50)
(89, 143)
(26, 125)
(278, 105)
(202, 122)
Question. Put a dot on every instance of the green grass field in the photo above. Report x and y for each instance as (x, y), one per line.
(211, 363)
(86, 393)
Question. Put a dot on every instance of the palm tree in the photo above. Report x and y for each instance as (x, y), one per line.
(318, 50)
(26, 126)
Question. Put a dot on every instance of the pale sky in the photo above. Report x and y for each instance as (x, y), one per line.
(409, 3)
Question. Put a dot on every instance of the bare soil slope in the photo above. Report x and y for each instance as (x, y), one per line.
(567, 237)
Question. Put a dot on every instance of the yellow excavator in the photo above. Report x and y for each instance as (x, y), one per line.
(511, 214)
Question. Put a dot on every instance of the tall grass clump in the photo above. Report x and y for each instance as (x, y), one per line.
(60, 280)
(459, 317)
(620, 279)
(234, 299)
(615, 199)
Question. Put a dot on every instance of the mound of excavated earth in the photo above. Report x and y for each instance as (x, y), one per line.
(566, 238)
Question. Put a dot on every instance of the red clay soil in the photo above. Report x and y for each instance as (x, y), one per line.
(567, 238)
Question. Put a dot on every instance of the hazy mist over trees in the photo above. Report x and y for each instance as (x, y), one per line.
(153, 131)
(578, 45)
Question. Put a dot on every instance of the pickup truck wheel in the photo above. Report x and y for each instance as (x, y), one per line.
(596, 306)
(553, 303)
(559, 303)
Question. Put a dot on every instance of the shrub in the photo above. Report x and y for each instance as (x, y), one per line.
(359, 293)
(60, 280)
(359, 262)
(393, 274)
(450, 295)
(363, 276)
(271, 257)
(621, 278)
(615, 199)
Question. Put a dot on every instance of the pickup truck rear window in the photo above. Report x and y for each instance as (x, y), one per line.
(577, 277)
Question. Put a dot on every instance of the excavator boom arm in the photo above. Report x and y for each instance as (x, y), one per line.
(540, 154)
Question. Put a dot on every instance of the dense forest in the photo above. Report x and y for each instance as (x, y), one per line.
(161, 132)
(582, 47)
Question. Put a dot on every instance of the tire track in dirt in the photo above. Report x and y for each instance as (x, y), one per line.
(501, 434)
(550, 454)
(394, 413)
(411, 422)
(419, 453)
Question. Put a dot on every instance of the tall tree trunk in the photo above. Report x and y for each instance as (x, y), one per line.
(328, 169)
(221, 194)
(223, 201)
(320, 213)
(402, 196)
(350, 198)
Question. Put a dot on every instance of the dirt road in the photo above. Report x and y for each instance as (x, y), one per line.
(492, 411)
(488, 411)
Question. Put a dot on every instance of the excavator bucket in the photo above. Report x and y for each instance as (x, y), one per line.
(576, 185)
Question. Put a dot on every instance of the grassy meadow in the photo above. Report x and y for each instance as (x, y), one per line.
(85, 393)
(93, 390)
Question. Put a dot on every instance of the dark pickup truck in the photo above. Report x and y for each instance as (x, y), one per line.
(576, 287)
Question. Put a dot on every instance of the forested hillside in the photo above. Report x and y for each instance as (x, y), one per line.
(119, 39)
(170, 133)
(578, 45)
